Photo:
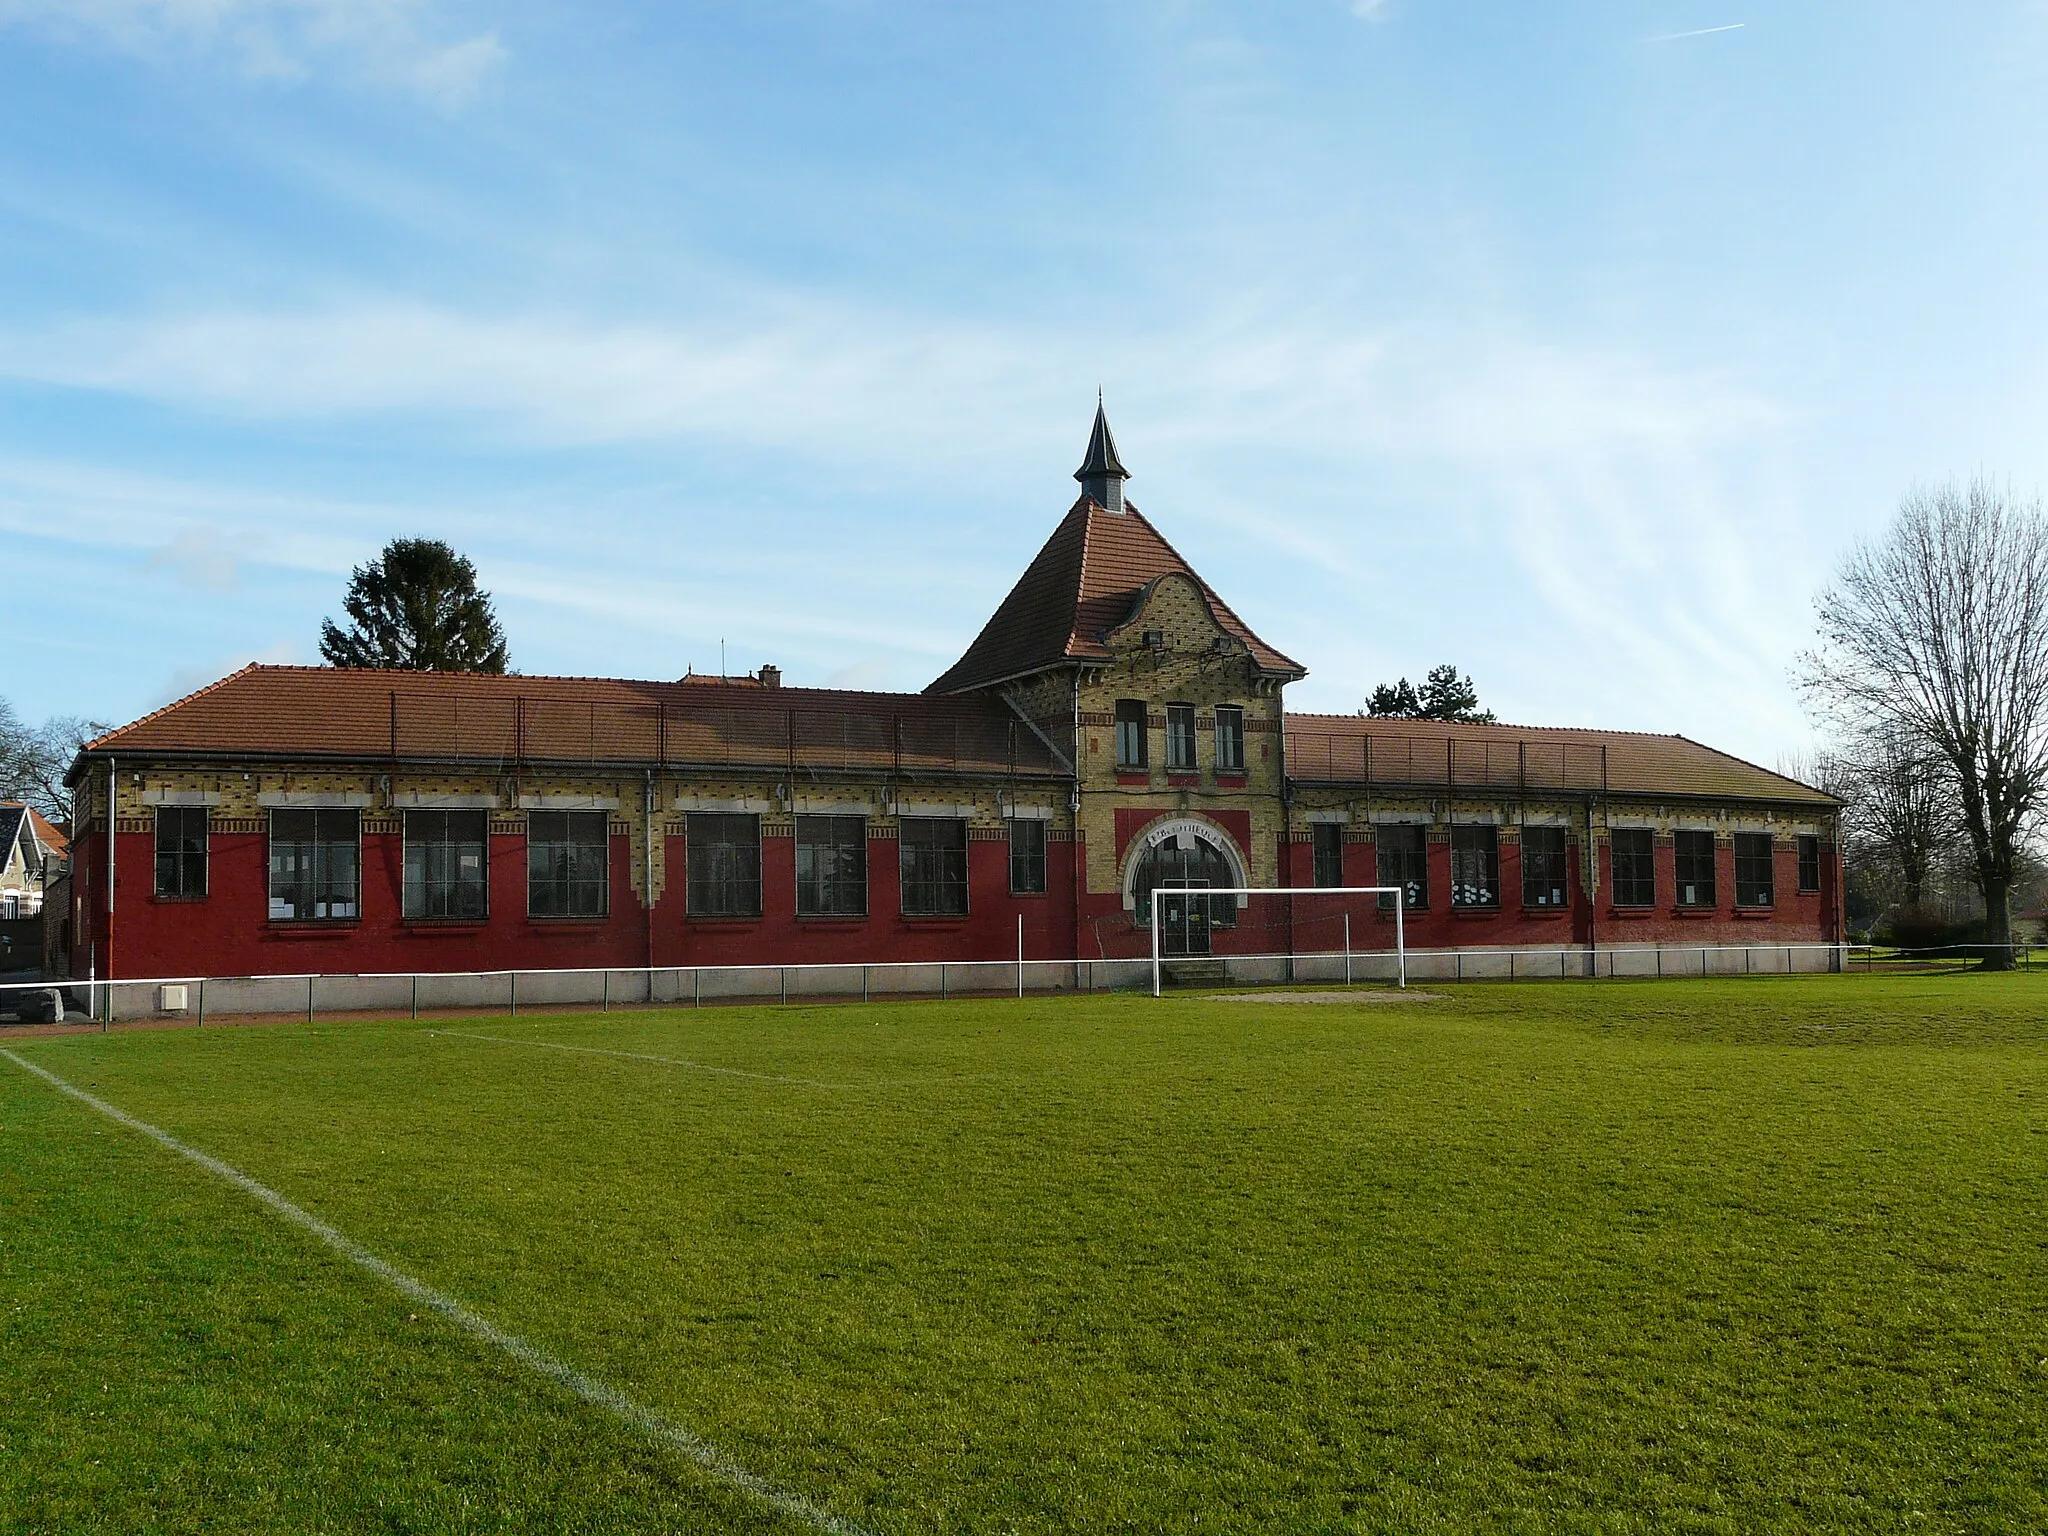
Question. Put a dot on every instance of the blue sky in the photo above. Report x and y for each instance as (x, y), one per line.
(1549, 340)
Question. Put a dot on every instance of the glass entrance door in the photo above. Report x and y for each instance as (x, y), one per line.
(1184, 921)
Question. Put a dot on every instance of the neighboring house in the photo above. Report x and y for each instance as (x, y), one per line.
(32, 853)
(1115, 728)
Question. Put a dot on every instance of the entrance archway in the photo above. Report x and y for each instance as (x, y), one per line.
(1184, 855)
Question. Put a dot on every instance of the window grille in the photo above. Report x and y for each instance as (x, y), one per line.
(1475, 867)
(1404, 861)
(1635, 866)
(832, 866)
(1027, 856)
(1693, 854)
(1130, 733)
(568, 863)
(724, 852)
(1328, 840)
(1544, 881)
(1809, 864)
(1753, 871)
(446, 864)
(934, 855)
(315, 865)
(1180, 738)
(181, 850)
(1229, 738)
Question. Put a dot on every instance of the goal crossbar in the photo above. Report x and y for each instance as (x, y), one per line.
(1293, 892)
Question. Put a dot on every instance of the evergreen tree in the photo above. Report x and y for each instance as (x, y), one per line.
(416, 608)
(1445, 694)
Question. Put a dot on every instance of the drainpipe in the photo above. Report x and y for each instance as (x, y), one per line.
(1079, 854)
(647, 873)
(113, 789)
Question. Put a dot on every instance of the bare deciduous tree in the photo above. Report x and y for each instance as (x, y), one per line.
(1900, 802)
(1938, 632)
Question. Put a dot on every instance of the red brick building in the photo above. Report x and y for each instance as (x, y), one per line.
(1114, 727)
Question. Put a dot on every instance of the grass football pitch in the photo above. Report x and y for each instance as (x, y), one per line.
(1700, 1256)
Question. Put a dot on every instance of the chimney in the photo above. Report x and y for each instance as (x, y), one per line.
(771, 677)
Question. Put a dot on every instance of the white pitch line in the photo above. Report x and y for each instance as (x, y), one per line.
(667, 1061)
(597, 1393)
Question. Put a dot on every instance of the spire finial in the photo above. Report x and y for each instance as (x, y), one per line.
(1102, 474)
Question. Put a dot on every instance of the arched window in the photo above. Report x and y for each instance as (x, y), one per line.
(1185, 861)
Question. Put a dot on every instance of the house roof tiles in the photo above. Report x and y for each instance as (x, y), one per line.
(1083, 583)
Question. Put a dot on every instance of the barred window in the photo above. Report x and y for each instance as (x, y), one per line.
(1635, 866)
(1130, 733)
(1328, 840)
(1475, 867)
(1544, 883)
(1693, 854)
(832, 866)
(1027, 856)
(447, 864)
(1180, 737)
(568, 863)
(1229, 738)
(315, 863)
(1809, 864)
(181, 850)
(724, 853)
(1404, 861)
(1753, 869)
(934, 855)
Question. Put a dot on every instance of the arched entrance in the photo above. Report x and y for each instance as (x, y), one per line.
(1184, 855)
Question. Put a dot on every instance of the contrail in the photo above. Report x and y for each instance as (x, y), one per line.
(1672, 37)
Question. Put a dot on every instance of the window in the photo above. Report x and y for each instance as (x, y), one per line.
(1328, 840)
(1229, 738)
(1635, 866)
(1543, 867)
(1693, 853)
(446, 860)
(1809, 863)
(1027, 856)
(832, 866)
(181, 850)
(1475, 867)
(1185, 863)
(1404, 861)
(1753, 869)
(724, 852)
(934, 854)
(1180, 738)
(10, 906)
(1130, 733)
(315, 857)
(568, 863)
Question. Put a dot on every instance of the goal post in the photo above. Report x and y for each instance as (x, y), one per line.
(1163, 898)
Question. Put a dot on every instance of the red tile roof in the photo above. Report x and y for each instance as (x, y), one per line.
(304, 713)
(1083, 584)
(1353, 749)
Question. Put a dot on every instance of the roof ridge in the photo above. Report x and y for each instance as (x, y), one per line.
(1495, 725)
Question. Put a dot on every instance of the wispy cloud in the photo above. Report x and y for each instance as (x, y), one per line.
(1672, 37)
(399, 43)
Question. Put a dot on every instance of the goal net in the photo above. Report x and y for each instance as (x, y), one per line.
(1266, 934)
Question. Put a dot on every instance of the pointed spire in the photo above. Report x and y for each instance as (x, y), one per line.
(1102, 473)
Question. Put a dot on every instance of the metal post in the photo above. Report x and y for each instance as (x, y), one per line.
(107, 1012)
(1020, 954)
(202, 1002)
(1401, 934)
(309, 999)
(1155, 946)
(783, 972)
(604, 1004)
(1458, 959)
(943, 994)
(863, 983)
(515, 990)
(1748, 961)
(1703, 960)
(1347, 949)
(1511, 965)
(415, 995)
(697, 987)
